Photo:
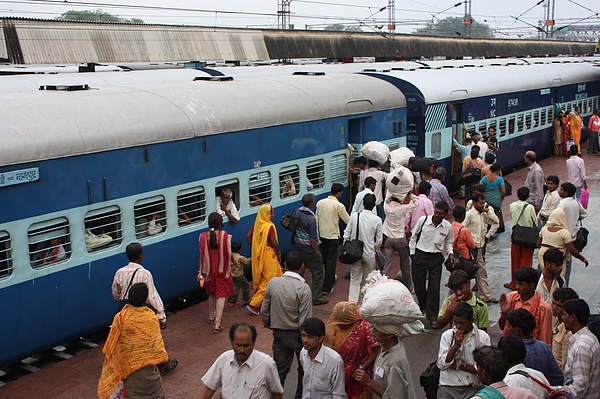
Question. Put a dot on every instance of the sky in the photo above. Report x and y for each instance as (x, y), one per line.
(508, 18)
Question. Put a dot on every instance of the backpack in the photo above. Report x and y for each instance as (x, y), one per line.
(560, 394)
(290, 222)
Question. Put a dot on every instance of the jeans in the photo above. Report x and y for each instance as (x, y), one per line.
(329, 252)
(286, 343)
(313, 262)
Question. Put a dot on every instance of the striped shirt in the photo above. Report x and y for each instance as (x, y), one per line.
(121, 282)
(439, 192)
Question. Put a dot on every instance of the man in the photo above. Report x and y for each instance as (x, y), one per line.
(324, 375)
(370, 233)
(576, 170)
(521, 214)
(370, 184)
(460, 283)
(593, 127)
(458, 375)
(582, 371)
(560, 334)
(133, 349)
(361, 164)
(226, 206)
(464, 150)
(306, 241)
(380, 177)
(242, 372)
(492, 366)
(393, 230)
(551, 280)
(477, 220)
(534, 180)
(439, 192)
(431, 237)
(425, 207)
(329, 212)
(492, 140)
(551, 198)
(514, 350)
(134, 273)
(286, 306)
(527, 298)
(574, 213)
(483, 147)
(539, 356)
(391, 377)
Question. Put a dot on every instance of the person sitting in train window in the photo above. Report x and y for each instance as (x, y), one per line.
(511, 126)
(154, 226)
(309, 185)
(93, 241)
(182, 217)
(255, 200)
(226, 206)
(53, 252)
(289, 189)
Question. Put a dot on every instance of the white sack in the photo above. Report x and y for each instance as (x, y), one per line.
(376, 151)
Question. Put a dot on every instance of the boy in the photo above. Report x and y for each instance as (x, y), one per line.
(458, 374)
(551, 199)
(460, 283)
(237, 272)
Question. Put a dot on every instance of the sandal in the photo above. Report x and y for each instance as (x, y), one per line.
(211, 321)
(169, 367)
(217, 330)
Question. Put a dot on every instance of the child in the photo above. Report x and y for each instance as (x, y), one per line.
(460, 283)
(237, 272)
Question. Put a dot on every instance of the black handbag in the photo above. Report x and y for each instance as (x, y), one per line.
(508, 187)
(581, 239)
(430, 380)
(352, 250)
(469, 266)
(469, 176)
(524, 236)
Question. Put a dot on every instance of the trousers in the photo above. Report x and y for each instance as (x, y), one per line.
(312, 262)
(481, 276)
(425, 265)
(519, 256)
(393, 245)
(360, 270)
(286, 344)
(329, 252)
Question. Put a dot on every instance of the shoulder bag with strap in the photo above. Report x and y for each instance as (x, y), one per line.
(352, 250)
(125, 300)
(554, 394)
(469, 266)
(524, 236)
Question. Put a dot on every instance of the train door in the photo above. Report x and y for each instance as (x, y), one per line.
(461, 133)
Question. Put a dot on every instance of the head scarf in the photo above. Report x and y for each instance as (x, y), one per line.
(260, 238)
(557, 219)
(344, 318)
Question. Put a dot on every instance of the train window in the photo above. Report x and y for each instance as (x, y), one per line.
(103, 228)
(493, 126)
(471, 129)
(393, 146)
(49, 242)
(315, 175)
(6, 261)
(191, 206)
(536, 118)
(502, 127)
(483, 129)
(339, 168)
(397, 128)
(150, 216)
(528, 123)
(260, 188)
(233, 185)
(511, 125)
(436, 145)
(289, 181)
(520, 124)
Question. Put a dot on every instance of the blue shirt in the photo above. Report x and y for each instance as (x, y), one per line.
(307, 230)
(539, 357)
(465, 150)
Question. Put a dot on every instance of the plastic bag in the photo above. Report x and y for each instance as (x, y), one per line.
(376, 151)
(400, 157)
(584, 197)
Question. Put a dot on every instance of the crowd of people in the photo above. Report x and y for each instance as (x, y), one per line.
(545, 346)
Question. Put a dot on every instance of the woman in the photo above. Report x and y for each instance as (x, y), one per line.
(558, 134)
(266, 256)
(575, 124)
(555, 234)
(215, 268)
(495, 191)
(351, 337)
(472, 162)
(566, 135)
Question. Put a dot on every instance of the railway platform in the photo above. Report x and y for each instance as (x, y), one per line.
(190, 340)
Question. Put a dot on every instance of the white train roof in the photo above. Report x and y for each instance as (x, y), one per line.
(54, 124)
(453, 84)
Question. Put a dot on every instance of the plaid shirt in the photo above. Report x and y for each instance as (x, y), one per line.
(439, 192)
(582, 371)
(539, 357)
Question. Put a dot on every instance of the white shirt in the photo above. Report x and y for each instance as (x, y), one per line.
(463, 356)
(478, 222)
(573, 212)
(432, 239)
(121, 282)
(483, 148)
(380, 176)
(230, 207)
(393, 225)
(324, 376)
(519, 380)
(576, 170)
(551, 200)
(256, 378)
(358, 202)
(370, 232)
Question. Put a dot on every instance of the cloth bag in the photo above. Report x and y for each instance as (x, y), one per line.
(524, 236)
(581, 239)
(352, 250)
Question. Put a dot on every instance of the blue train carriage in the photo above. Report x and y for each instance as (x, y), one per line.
(515, 99)
(84, 173)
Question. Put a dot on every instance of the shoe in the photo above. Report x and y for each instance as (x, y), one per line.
(253, 309)
(169, 367)
(335, 279)
(217, 330)
(507, 286)
(491, 300)
(232, 304)
(347, 276)
(325, 293)
(321, 301)
(475, 288)
(211, 321)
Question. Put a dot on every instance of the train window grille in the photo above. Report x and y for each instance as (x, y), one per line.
(545, 116)
(472, 129)
(536, 119)
(150, 216)
(483, 128)
(528, 124)
(520, 123)
(353, 155)
(191, 206)
(494, 126)
(6, 260)
(289, 181)
(260, 188)
(339, 168)
(502, 127)
(436, 145)
(315, 174)
(397, 128)
(393, 146)
(49, 242)
(511, 125)
(103, 228)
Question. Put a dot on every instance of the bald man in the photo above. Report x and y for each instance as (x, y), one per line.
(534, 180)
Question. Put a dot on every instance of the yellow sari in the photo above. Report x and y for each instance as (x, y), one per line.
(265, 263)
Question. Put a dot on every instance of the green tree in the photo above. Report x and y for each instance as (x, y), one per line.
(96, 16)
(455, 27)
(340, 28)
